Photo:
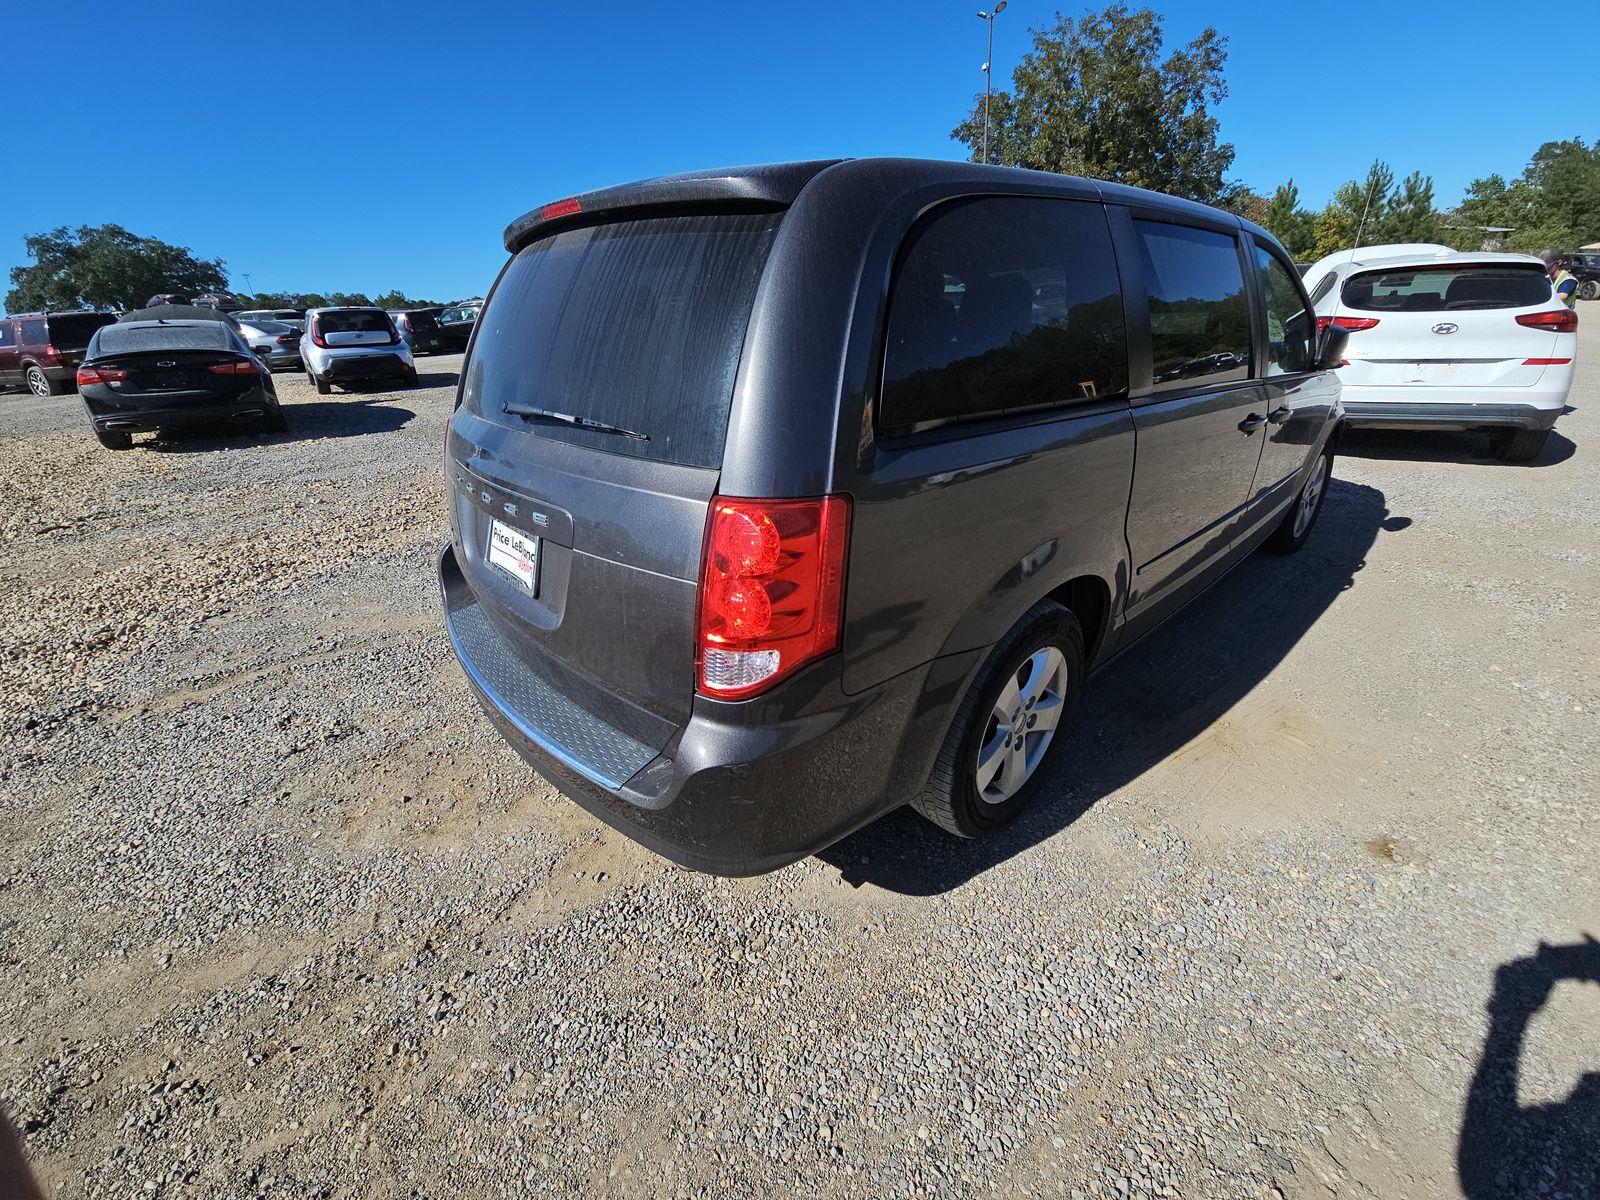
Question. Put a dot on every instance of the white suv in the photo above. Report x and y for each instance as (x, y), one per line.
(1448, 339)
(354, 345)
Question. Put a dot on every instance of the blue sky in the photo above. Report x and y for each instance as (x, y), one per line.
(347, 147)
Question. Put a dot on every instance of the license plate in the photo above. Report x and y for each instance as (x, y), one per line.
(516, 553)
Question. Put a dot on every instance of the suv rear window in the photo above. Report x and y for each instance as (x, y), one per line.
(1446, 289)
(72, 331)
(352, 322)
(634, 324)
(999, 306)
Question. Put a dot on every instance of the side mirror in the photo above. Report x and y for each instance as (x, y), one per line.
(1331, 343)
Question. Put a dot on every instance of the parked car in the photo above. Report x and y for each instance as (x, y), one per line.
(277, 343)
(161, 298)
(751, 544)
(419, 329)
(1450, 339)
(41, 351)
(456, 324)
(354, 345)
(1586, 266)
(221, 301)
(289, 316)
(143, 376)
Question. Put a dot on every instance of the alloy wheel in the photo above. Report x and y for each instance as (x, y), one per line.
(1021, 725)
(37, 383)
(1310, 495)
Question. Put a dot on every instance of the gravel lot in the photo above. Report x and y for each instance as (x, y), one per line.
(280, 915)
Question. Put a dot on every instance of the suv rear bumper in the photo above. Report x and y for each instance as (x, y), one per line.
(365, 366)
(1409, 408)
(743, 787)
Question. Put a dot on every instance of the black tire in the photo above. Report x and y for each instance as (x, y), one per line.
(1518, 445)
(41, 384)
(1291, 534)
(409, 379)
(1589, 289)
(950, 799)
(112, 439)
(323, 386)
(274, 421)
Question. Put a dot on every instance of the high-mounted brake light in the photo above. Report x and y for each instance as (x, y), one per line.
(100, 375)
(1353, 324)
(1556, 320)
(560, 208)
(771, 590)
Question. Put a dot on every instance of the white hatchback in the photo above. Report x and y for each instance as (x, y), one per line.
(354, 345)
(1448, 339)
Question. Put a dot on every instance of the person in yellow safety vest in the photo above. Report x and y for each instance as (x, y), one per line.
(1562, 280)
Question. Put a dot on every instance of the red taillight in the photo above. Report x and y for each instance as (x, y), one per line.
(1353, 324)
(771, 590)
(1545, 362)
(287, 339)
(560, 208)
(241, 367)
(51, 352)
(1556, 320)
(100, 375)
(316, 334)
(406, 321)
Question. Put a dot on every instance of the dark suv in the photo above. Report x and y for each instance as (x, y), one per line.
(1586, 266)
(784, 496)
(41, 351)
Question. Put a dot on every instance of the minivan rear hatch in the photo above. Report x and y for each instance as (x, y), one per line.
(588, 445)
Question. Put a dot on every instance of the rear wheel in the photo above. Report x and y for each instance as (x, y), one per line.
(41, 384)
(1006, 735)
(1518, 445)
(323, 386)
(409, 379)
(274, 421)
(1295, 527)
(1589, 289)
(111, 439)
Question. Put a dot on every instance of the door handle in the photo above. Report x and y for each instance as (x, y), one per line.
(1280, 414)
(1252, 423)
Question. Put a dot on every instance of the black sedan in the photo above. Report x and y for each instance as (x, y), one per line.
(456, 324)
(140, 376)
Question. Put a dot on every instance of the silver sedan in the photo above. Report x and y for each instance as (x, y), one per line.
(276, 343)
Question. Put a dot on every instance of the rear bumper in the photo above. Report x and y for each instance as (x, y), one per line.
(742, 788)
(176, 410)
(365, 366)
(1452, 408)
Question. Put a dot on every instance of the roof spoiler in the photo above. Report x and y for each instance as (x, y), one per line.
(773, 186)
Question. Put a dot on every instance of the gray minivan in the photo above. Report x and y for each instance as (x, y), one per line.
(783, 496)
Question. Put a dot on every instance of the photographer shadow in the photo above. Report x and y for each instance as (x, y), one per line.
(1507, 1150)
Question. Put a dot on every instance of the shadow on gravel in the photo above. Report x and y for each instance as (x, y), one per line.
(1545, 1149)
(308, 422)
(437, 378)
(1148, 703)
(16, 1180)
(1445, 446)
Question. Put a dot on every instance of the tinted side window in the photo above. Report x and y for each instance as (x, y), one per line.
(7, 338)
(1290, 344)
(1199, 315)
(1002, 305)
(1324, 286)
(33, 333)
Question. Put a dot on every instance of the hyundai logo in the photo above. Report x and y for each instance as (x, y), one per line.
(1446, 327)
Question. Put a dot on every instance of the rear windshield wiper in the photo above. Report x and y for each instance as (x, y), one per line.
(577, 422)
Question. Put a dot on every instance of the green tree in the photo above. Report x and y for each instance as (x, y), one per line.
(105, 266)
(1555, 203)
(1376, 211)
(1095, 97)
(1408, 214)
(1291, 224)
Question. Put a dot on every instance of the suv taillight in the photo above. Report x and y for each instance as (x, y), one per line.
(1556, 320)
(52, 352)
(316, 334)
(771, 590)
(1353, 324)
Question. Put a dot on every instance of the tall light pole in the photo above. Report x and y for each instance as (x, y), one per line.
(988, 62)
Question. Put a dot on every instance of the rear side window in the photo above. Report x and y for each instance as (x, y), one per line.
(637, 325)
(72, 331)
(33, 333)
(352, 322)
(1002, 305)
(1324, 286)
(1447, 289)
(1199, 316)
(7, 337)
